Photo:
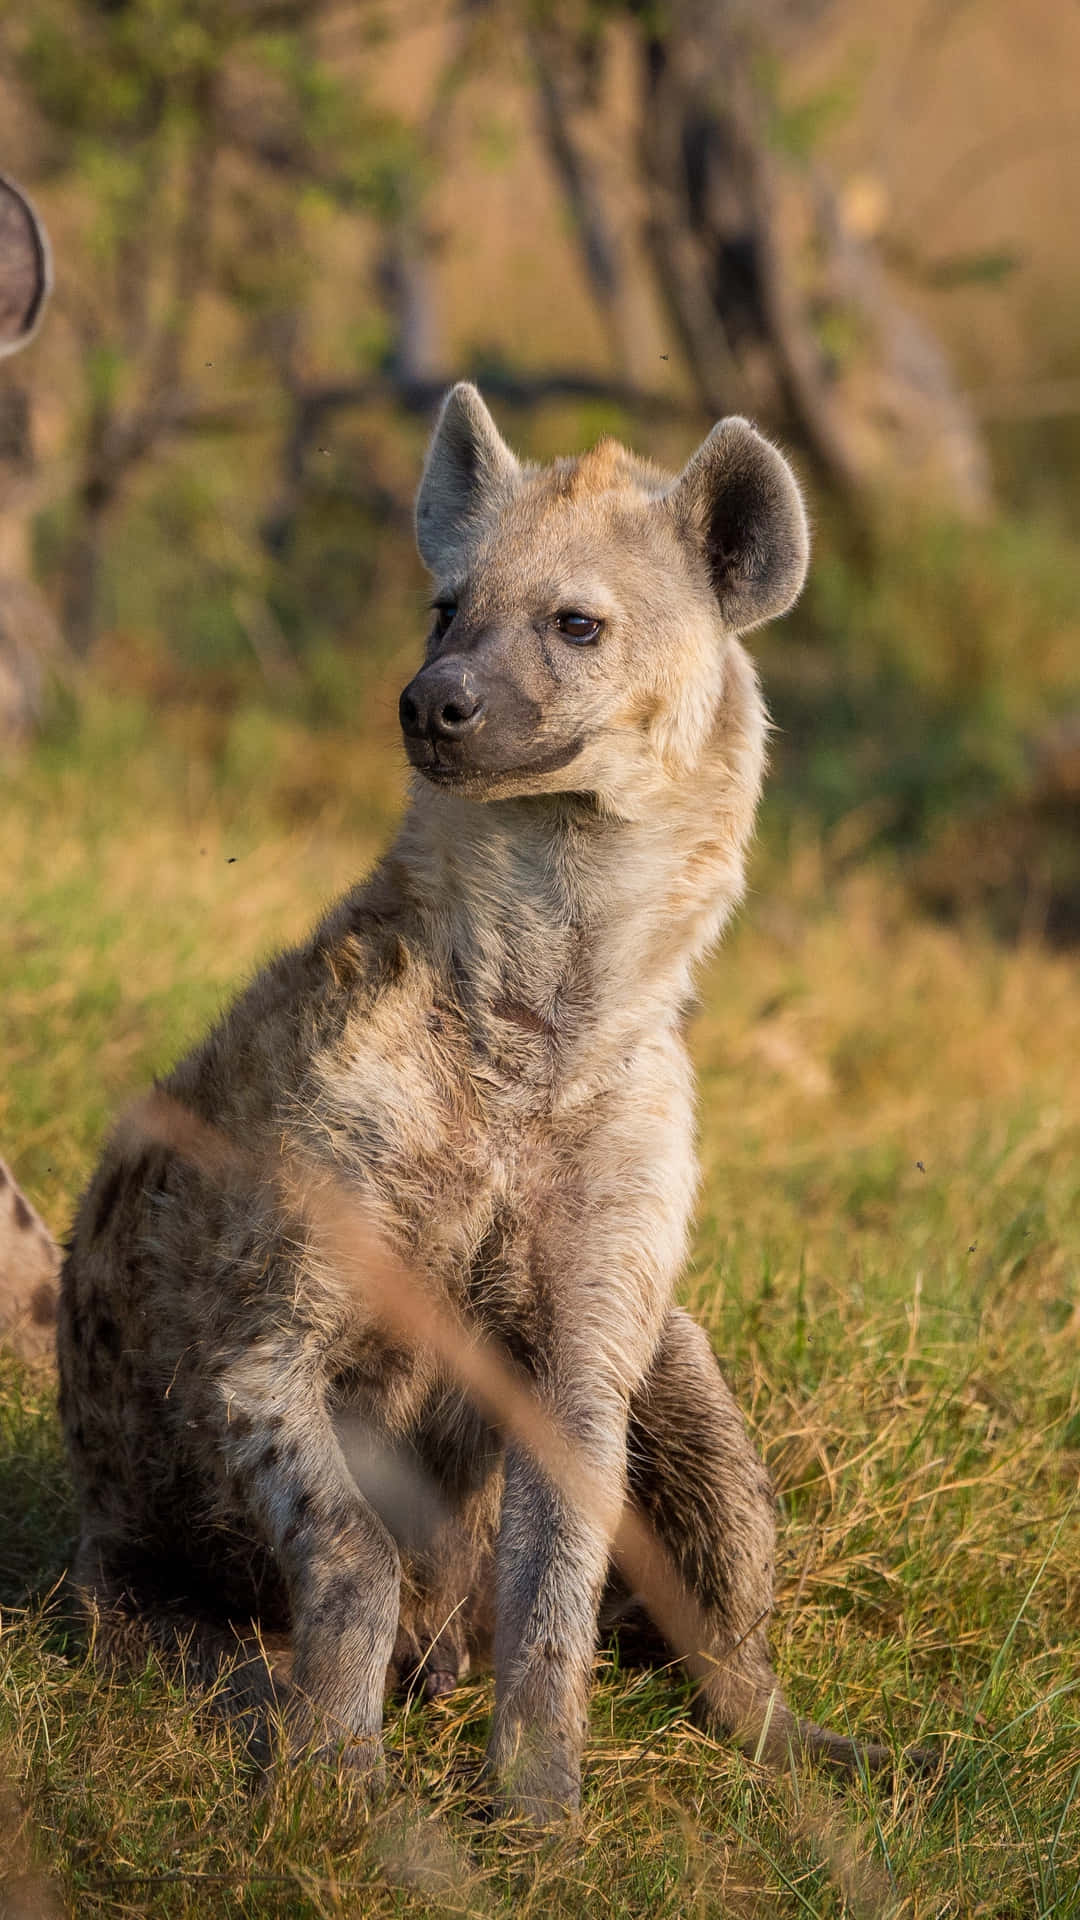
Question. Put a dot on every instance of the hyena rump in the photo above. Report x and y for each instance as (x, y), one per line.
(481, 1043)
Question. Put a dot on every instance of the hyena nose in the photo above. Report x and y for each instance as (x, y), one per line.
(440, 704)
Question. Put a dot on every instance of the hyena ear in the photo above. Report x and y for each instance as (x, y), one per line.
(738, 502)
(468, 464)
(25, 268)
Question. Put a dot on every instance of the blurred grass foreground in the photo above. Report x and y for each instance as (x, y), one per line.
(278, 229)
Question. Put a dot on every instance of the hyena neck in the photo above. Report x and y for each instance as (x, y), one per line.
(553, 913)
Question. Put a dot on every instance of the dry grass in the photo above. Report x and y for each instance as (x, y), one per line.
(887, 1262)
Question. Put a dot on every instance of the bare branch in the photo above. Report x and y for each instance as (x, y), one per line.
(552, 59)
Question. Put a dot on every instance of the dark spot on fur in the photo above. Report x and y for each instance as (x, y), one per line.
(108, 1335)
(3, 1176)
(302, 1506)
(23, 1216)
(335, 1607)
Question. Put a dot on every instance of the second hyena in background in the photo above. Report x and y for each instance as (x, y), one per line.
(482, 1043)
(28, 1256)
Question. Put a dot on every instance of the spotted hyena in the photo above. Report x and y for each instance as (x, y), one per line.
(28, 1254)
(482, 1045)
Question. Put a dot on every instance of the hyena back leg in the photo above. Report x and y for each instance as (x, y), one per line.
(339, 1562)
(705, 1493)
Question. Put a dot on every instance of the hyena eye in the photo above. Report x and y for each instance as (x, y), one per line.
(581, 628)
(444, 614)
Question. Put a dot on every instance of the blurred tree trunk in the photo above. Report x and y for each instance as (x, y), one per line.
(748, 252)
(714, 238)
(564, 68)
(750, 255)
(81, 563)
(407, 284)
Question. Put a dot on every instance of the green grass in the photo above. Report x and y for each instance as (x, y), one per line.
(887, 1261)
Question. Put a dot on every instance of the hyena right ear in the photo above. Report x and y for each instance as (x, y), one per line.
(738, 503)
(25, 268)
(468, 464)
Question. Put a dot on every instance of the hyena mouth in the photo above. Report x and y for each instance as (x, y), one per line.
(427, 760)
(449, 773)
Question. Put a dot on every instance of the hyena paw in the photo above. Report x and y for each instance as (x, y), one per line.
(435, 1670)
(439, 1681)
(357, 1757)
(359, 1760)
(540, 1784)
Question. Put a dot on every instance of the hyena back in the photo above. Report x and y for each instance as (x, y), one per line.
(483, 1045)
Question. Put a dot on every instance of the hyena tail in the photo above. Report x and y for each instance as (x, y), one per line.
(840, 1751)
(740, 1697)
(781, 1739)
(239, 1676)
(866, 1756)
(744, 1698)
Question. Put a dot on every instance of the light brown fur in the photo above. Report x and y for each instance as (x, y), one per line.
(29, 1269)
(482, 1044)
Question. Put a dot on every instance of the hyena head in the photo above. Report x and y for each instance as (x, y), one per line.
(585, 612)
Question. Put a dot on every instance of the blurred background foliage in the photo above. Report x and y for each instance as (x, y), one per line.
(280, 227)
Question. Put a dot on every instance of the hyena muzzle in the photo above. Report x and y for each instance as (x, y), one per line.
(481, 1047)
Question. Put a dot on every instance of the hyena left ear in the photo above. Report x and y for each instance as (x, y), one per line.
(738, 502)
(468, 465)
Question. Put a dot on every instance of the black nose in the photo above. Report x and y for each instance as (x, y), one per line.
(440, 704)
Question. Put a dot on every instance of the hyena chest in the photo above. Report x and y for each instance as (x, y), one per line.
(469, 1162)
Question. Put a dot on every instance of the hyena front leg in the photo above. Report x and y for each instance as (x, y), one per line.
(604, 1254)
(551, 1558)
(338, 1560)
(696, 1476)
